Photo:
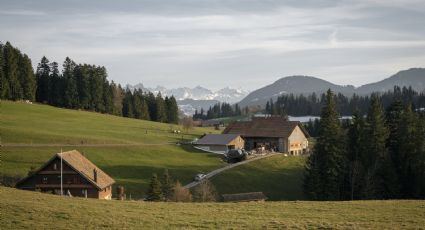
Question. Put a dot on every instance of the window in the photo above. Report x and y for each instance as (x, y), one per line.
(55, 166)
(44, 180)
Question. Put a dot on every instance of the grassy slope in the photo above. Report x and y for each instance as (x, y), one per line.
(278, 177)
(130, 165)
(42, 211)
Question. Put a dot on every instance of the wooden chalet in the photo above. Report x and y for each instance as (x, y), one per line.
(271, 133)
(81, 177)
(220, 142)
(244, 197)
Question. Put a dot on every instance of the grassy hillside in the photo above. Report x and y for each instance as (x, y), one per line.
(139, 147)
(278, 177)
(42, 211)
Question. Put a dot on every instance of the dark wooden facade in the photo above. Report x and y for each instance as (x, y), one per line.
(76, 181)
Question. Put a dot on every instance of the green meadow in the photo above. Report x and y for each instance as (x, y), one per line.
(129, 150)
(33, 210)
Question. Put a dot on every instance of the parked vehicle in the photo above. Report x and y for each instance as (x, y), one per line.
(235, 155)
(199, 177)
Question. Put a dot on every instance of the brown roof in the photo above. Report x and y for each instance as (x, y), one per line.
(250, 196)
(86, 168)
(216, 139)
(264, 127)
(81, 165)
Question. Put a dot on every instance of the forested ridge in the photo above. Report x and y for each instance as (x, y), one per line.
(78, 86)
(311, 105)
(377, 156)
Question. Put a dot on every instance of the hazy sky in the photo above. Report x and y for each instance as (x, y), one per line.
(218, 43)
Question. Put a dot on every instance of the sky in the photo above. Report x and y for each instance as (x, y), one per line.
(218, 43)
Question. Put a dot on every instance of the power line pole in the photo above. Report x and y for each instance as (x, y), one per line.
(61, 174)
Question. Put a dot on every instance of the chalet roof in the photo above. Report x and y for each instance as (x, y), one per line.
(250, 196)
(82, 165)
(217, 139)
(264, 127)
(86, 168)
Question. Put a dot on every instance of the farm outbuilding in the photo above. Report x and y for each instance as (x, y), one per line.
(244, 197)
(220, 142)
(80, 177)
(271, 133)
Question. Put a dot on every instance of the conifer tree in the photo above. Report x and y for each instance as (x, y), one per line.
(71, 91)
(355, 148)
(167, 185)
(161, 113)
(11, 56)
(4, 83)
(27, 78)
(55, 86)
(325, 166)
(43, 80)
(172, 110)
(380, 175)
(154, 192)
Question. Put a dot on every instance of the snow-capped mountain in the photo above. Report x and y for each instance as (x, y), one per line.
(192, 99)
(227, 94)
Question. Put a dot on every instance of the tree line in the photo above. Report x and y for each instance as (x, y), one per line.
(300, 105)
(165, 189)
(377, 156)
(78, 86)
(220, 110)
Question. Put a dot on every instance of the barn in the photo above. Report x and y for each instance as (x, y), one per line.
(220, 142)
(271, 133)
(80, 177)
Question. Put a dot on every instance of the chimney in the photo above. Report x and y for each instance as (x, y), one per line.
(95, 175)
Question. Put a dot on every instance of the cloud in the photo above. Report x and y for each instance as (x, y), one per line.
(250, 42)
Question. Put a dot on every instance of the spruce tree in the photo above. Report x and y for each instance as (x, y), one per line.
(161, 113)
(27, 78)
(4, 83)
(172, 110)
(154, 192)
(71, 91)
(55, 86)
(380, 175)
(167, 185)
(355, 170)
(412, 154)
(43, 79)
(11, 56)
(325, 166)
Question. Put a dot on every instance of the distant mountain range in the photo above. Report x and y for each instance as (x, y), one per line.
(191, 99)
(414, 77)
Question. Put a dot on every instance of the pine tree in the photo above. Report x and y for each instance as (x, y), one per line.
(43, 79)
(411, 148)
(55, 86)
(167, 185)
(381, 177)
(4, 83)
(325, 166)
(172, 110)
(127, 104)
(354, 151)
(27, 78)
(11, 56)
(161, 113)
(71, 92)
(154, 192)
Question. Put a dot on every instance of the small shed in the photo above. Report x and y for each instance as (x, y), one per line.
(244, 197)
(220, 142)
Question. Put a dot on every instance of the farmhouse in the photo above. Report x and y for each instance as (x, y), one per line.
(271, 133)
(80, 177)
(220, 142)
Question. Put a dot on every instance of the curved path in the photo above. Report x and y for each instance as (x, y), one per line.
(220, 170)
